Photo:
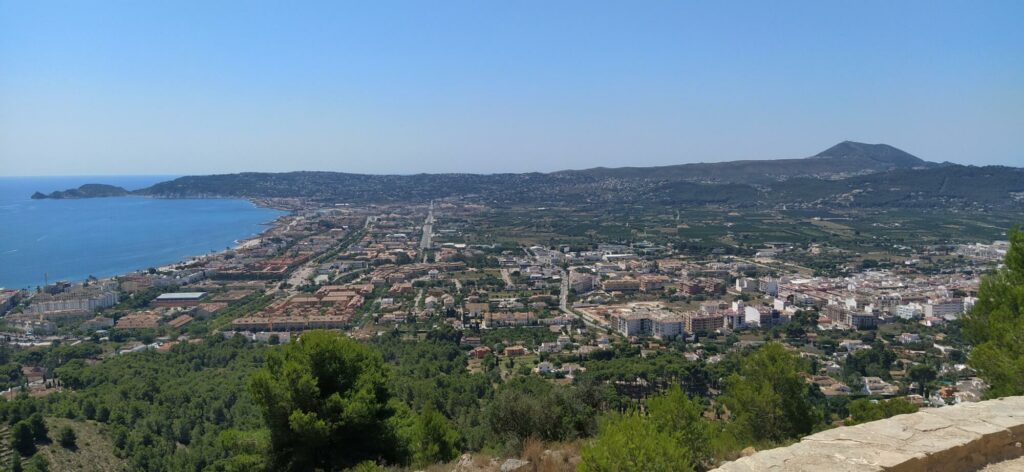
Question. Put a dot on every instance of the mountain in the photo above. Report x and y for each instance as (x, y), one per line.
(883, 154)
(85, 191)
(848, 174)
(845, 159)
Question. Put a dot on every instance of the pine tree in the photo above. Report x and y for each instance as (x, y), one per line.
(995, 325)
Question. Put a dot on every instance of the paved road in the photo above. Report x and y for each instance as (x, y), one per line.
(563, 303)
(799, 268)
(506, 277)
(428, 230)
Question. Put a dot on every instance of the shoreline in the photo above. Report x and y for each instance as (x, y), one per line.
(237, 244)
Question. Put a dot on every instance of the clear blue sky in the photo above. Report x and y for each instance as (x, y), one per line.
(180, 87)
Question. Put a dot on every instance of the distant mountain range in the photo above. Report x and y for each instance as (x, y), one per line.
(848, 174)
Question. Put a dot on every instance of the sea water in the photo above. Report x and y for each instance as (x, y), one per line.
(102, 237)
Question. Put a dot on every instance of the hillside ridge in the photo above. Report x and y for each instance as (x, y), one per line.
(847, 174)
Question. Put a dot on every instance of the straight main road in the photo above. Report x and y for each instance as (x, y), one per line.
(428, 230)
(563, 303)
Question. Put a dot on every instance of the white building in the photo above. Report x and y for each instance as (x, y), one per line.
(667, 328)
(944, 308)
(72, 301)
(909, 311)
(582, 282)
(751, 316)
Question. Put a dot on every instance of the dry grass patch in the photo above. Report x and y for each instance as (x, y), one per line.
(94, 451)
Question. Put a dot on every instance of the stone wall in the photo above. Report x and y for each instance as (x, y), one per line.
(965, 437)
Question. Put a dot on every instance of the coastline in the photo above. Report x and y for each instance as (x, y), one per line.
(18, 279)
(240, 244)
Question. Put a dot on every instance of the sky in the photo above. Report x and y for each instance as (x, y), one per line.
(200, 87)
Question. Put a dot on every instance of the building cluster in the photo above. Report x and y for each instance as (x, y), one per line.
(9, 299)
(994, 252)
(292, 242)
(860, 301)
(867, 299)
(330, 307)
(173, 309)
(62, 301)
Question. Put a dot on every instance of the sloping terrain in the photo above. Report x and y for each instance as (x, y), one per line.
(94, 450)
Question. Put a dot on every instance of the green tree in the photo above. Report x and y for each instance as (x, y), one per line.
(433, 439)
(39, 431)
(89, 410)
(864, 410)
(103, 414)
(246, 451)
(67, 438)
(681, 417)
(768, 398)
(22, 439)
(922, 374)
(531, 407)
(324, 399)
(630, 442)
(995, 325)
(37, 463)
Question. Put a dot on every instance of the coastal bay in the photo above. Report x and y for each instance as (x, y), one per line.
(73, 239)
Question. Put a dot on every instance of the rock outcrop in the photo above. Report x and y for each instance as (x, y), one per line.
(957, 438)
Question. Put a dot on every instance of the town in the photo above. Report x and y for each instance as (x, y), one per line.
(881, 331)
(511, 236)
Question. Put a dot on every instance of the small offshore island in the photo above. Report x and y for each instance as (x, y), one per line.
(85, 191)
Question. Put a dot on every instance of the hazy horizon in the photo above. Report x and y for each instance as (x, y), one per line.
(193, 88)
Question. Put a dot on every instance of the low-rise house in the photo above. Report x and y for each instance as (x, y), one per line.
(909, 338)
(97, 323)
(141, 320)
(829, 387)
(623, 285)
(549, 347)
(571, 369)
(32, 326)
(877, 386)
(479, 352)
(653, 283)
(853, 345)
(179, 321)
(515, 351)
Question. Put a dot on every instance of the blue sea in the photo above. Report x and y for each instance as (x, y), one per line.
(73, 239)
